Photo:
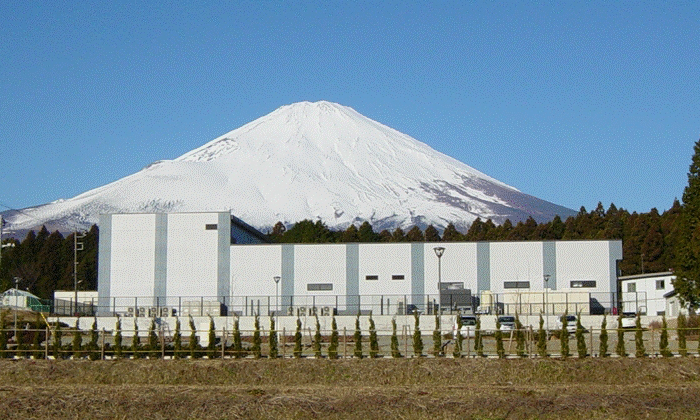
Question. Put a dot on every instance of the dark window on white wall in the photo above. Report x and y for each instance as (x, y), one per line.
(372, 277)
(582, 283)
(660, 285)
(211, 227)
(516, 285)
(317, 287)
(631, 287)
(397, 277)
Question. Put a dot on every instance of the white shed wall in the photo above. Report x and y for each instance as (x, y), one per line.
(319, 264)
(192, 255)
(385, 260)
(516, 261)
(133, 258)
(253, 268)
(458, 265)
(584, 260)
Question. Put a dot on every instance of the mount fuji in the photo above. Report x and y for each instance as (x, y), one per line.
(319, 161)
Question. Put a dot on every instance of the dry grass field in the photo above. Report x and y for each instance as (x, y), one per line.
(341, 389)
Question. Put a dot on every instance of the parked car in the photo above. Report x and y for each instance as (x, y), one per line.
(570, 323)
(468, 326)
(507, 322)
(629, 320)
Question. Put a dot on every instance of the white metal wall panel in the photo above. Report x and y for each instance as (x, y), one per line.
(384, 261)
(133, 259)
(319, 264)
(584, 260)
(192, 255)
(253, 268)
(516, 261)
(458, 265)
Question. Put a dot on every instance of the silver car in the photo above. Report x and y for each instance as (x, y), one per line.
(468, 326)
(507, 322)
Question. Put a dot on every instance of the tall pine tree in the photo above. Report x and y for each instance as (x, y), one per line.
(687, 267)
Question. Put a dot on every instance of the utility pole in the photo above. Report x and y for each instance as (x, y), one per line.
(77, 246)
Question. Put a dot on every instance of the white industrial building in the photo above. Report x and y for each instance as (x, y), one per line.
(212, 263)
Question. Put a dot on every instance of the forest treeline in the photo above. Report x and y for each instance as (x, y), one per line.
(44, 260)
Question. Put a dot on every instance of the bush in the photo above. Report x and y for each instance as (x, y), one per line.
(457, 352)
(93, 347)
(417, 339)
(603, 349)
(153, 346)
(663, 342)
(257, 341)
(333, 346)
(317, 340)
(620, 349)
(194, 340)
(395, 353)
(639, 351)
(478, 339)
(177, 340)
(437, 338)
(519, 337)
(580, 339)
(499, 341)
(564, 337)
(297, 340)
(272, 342)
(373, 341)
(682, 345)
(211, 346)
(77, 340)
(118, 350)
(357, 337)
(237, 342)
(136, 341)
(541, 339)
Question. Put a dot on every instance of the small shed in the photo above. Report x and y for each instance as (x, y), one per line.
(23, 300)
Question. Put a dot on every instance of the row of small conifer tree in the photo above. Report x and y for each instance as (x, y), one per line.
(154, 348)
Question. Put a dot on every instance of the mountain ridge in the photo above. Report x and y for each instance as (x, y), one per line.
(308, 160)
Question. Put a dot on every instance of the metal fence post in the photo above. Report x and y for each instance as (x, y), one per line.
(46, 348)
(284, 342)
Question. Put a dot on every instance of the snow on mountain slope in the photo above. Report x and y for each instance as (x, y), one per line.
(306, 161)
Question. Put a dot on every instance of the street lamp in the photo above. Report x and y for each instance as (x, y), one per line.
(439, 251)
(17, 279)
(277, 285)
(546, 299)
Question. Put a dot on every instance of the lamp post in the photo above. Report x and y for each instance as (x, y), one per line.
(277, 285)
(546, 299)
(439, 251)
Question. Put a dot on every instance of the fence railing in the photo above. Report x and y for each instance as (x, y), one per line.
(65, 343)
(527, 303)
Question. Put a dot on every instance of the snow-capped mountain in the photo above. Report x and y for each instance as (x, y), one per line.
(305, 161)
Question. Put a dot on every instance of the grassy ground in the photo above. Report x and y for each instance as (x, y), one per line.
(326, 389)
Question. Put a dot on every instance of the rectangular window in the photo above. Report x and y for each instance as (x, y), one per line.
(371, 277)
(582, 283)
(317, 287)
(660, 285)
(631, 287)
(397, 277)
(213, 226)
(660, 313)
(452, 285)
(516, 285)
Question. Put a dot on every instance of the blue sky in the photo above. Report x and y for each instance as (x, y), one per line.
(572, 102)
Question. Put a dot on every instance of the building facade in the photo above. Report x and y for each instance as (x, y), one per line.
(211, 263)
